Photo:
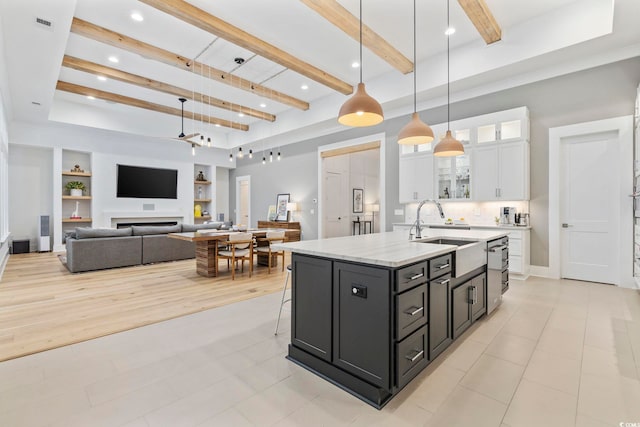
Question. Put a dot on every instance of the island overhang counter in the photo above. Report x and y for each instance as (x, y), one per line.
(370, 312)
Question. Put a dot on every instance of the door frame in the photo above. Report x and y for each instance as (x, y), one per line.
(623, 126)
(378, 137)
(238, 180)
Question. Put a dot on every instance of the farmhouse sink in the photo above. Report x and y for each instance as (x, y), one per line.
(469, 254)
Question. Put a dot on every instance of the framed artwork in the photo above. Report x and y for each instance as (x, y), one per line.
(358, 198)
(281, 207)
(271, 213)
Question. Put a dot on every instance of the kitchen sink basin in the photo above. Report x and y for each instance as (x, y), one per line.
(443, 241)
(469, 254)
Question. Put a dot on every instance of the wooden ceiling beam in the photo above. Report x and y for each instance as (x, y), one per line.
(336, 14)
(216, 26)
(148, 51)
(101, 70)
(134, 102)
(482, 18)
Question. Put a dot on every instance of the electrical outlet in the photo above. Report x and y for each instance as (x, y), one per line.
(398, 212)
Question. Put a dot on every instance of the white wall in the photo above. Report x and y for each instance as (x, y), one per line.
(5, 115)
(222, 193)
(30, 171)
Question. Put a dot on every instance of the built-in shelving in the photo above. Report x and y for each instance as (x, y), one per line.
(71, 220)
(76, 197)
(70, 159)
(86, 174)
(203, 193)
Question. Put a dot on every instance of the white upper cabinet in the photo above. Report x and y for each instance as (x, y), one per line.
(495, 165)
(501, 172)
(416, 178)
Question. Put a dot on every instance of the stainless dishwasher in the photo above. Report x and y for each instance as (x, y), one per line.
(497, 271)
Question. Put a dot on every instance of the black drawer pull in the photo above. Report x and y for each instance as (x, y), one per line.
(413, 311)
(416, 276)
(442, 282)
(440, 267)
(416, 357)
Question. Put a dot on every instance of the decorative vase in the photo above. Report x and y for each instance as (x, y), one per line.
(76, 192)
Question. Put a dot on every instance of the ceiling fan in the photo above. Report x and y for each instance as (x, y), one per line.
(182, 136)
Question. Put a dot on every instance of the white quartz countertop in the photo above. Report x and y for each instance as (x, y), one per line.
(479, 226)
(391, 249)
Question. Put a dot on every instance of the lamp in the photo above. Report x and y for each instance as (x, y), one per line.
(291, 208)
(361, 109)
(373, 208)
(448, 146)
(416, 131)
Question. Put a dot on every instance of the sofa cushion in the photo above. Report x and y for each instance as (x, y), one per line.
(195, 227)
(155, 229)
(91, 233)
(108, 252)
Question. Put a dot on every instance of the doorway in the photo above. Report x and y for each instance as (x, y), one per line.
(590, 213)
(357, 164)
(243, 200)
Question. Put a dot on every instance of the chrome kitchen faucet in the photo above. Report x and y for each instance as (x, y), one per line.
(417, 223)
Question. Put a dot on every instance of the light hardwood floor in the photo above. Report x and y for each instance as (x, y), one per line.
(44, 306)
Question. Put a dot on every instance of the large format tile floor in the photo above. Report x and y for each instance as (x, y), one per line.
(556, 353)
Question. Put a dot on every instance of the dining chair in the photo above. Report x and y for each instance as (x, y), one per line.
(239, 248)
(264, 246)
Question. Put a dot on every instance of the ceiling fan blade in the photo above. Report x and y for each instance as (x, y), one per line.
(188, 136)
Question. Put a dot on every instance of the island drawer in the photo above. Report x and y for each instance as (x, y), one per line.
(412, 275)
(411, 356)
(411, 310)
(441, 265)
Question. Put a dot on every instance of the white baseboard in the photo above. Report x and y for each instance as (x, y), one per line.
(540, 271)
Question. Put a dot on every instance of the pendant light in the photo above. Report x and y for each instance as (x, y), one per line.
(361, 109)
(416, 131)
(448, 146)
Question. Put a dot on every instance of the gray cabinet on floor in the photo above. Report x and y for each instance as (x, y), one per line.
(439, 315)
(468, 302)
(312, 300)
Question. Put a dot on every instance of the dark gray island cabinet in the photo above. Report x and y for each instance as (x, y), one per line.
(370, 329)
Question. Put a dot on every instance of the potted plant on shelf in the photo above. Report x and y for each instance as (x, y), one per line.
(75, 188)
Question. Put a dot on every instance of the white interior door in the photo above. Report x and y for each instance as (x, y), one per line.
(243, 200)
(336, 213)
(590, 212)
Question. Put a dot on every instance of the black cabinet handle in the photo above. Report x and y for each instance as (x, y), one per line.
(416, 357)
(440, 267)
(416, 276)
(412, 311)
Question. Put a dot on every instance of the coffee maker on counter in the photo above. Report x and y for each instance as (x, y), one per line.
(508, 216)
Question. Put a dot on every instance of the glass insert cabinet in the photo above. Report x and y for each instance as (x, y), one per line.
(454, 177)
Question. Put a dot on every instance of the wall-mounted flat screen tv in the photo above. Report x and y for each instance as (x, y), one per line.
(147, 183)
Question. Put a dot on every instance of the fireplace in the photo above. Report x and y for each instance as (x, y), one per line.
(155, 223)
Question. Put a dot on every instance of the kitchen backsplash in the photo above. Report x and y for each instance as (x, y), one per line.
(477, 213)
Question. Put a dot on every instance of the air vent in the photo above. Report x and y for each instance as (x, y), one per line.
(44, 23)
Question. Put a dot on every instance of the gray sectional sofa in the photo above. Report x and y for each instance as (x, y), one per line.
(96, 249)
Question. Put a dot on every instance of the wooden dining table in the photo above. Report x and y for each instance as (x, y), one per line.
(207, 241)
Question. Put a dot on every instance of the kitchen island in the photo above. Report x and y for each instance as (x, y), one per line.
(370, 312)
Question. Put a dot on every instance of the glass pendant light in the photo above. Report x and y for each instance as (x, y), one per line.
(209, 142)
(231, 157)
(270, 156)
(278, 156)
(361, 109)
(264, 161)
(250, 153)
(448, 146)
(240, 155)
(416, 131)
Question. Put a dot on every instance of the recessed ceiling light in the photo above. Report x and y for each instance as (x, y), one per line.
(263, 105)
(240, 114)
(114, 59)
(304, 87)
(217, 125)
(91, 97)
(136, 16)
(355, 64)
(449, 31)
(102, 78)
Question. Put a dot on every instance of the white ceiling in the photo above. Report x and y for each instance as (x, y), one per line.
(540, 39)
